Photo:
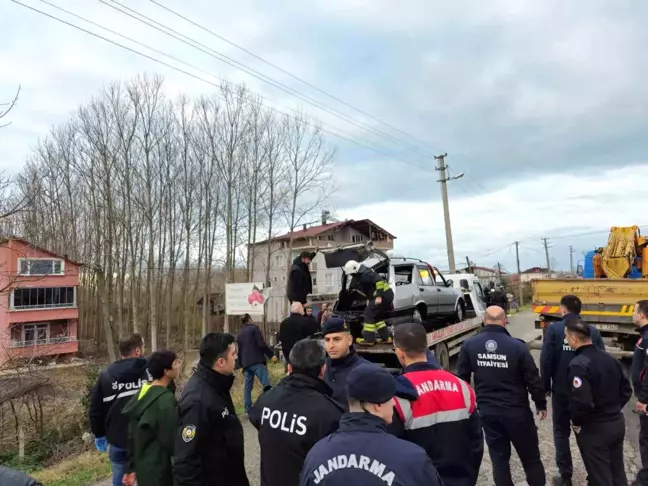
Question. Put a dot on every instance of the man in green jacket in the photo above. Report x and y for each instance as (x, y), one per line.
(153, 424)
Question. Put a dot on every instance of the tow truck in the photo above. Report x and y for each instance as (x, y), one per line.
(615, 277)
(445, 334)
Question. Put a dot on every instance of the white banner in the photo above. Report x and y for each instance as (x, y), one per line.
(245, 298)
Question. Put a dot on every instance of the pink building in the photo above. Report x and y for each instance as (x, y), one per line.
(38, 302)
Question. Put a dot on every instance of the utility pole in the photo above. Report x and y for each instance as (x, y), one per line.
(519, 272)
(546, 247)
(499, 273)
(571, 258)
(446, 209)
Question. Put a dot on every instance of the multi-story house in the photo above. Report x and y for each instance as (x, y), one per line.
(485, 275)
(326, 281)
(39, 314)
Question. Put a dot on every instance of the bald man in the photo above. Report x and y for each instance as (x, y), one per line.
(505, 374)
(293, 328)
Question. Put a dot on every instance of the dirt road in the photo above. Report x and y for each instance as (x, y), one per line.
(521, 327)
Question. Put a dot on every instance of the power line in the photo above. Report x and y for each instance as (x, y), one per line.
(163, 63)
(310, 85)
(248, 70)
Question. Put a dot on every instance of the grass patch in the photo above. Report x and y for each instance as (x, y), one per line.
(276, 372)
(78, 471)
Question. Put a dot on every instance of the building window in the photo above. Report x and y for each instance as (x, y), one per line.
(43, 298)
(330, 237)
(40, 266)
(357, 238)
(314, 281)
(328, 279)
(35, 333)
(274, 279)
(278, 260)
(283, 279)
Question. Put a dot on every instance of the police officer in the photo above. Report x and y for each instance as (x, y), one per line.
(436, 410)
(362, 452)
(342, 357)
(554, 361)
(599, 391)
(505, 374)
(209, 448)
(294, 415)
(640, 385)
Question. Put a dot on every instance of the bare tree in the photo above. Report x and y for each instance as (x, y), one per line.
(5, 108)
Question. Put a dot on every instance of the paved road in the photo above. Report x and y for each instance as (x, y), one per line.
(521, 327)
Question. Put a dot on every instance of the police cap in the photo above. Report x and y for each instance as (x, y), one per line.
(370, 383)
(333, 325)
(578, 326)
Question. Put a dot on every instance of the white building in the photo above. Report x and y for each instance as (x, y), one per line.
(274, 267)
(485, 275)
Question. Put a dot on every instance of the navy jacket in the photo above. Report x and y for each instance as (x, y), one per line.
(437, 411)
(556, 355)
(336, 374)
(300, 283)
(640, 367)
(361, 452)
(505, 373)
(599, 388)
(252, 347)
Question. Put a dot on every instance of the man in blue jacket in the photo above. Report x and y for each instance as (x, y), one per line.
(361, 452)
(505, 375)
(342, 357)
(554, 362)
(252, 352)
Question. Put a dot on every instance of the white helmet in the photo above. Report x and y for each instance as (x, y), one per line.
(351, 267)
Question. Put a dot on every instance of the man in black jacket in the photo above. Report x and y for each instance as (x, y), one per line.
(599, 391)
(300, 283)
(293, 328)
(505, 374)
(209, 446)
(294, 415)
(252, 352)
(11, 477)
(640, 385)
(114, 388)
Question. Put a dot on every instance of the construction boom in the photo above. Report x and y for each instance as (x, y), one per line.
(615, 278)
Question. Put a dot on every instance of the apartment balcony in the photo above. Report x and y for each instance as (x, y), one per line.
(28, 340)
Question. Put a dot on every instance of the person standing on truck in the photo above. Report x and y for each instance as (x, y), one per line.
(598, 392)
(342, 357)
(555, 357)
(300, 283)
(505, 374)
(294, 415)
(640, 385)
(361, 452)
(436, 410)
(380, 300)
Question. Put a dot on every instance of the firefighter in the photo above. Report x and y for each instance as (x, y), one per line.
(505, 375)
(599, 391)
(436, 410)
(554, 361)
(640, 385)
(361, 452)
(380, 300)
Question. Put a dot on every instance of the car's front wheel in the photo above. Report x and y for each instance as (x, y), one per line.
(460, 313)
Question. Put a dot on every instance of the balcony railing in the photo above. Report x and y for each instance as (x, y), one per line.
(42, 342)
(43, 306)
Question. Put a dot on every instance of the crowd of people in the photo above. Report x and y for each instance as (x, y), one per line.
(337, 419)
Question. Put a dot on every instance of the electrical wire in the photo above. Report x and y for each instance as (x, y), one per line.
(163, 63)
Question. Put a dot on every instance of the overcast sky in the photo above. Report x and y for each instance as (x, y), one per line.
(542, 105)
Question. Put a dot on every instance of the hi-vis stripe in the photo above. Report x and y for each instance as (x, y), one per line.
(626, 310)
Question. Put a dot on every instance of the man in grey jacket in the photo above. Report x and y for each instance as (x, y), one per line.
(11, 477)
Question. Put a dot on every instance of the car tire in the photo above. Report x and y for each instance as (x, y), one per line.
(460, 312)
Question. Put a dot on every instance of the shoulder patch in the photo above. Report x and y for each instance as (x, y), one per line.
(188, 433)
(577, 382)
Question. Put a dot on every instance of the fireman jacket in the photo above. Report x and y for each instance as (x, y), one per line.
(556, 355)
(505, 373)
(437, 411)
(209, 444)
(599, 388)
(115, 386)
(370, 283)
(640, 367)
(300, 283)
(337, 371)
(361, 452)
(291, 418)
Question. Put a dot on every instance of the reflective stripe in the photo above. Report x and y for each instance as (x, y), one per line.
(121, 395)
(380, 325)
(382, 285)
(466, 394)
(369, 327)
(406, 409)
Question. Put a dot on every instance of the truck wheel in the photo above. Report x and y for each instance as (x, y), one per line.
(442, 355)
(460, 313)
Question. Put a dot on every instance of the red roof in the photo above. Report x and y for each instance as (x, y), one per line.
(323, 228)
(4, 241)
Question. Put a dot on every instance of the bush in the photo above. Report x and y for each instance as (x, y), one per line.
(91, 376)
